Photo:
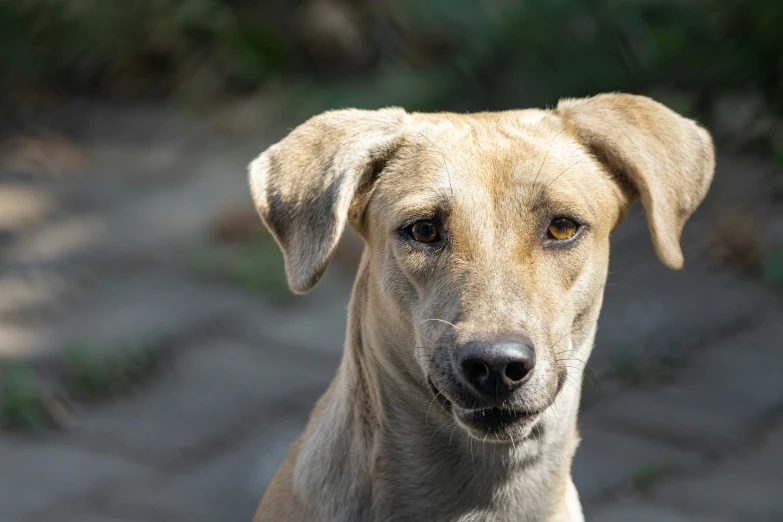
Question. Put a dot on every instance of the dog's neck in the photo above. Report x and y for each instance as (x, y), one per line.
(395, 455)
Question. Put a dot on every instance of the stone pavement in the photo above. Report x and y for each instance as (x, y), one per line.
(684, 421)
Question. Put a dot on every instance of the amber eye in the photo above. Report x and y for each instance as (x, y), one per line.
(562, 229)
(424, 232)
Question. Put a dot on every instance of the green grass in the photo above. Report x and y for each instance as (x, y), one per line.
(259, 267)
(255, 266)
(634, 371)
(772, 270)
(90, 375)
(777, 173)
(22, 404)
(627, 369)
(651, 474)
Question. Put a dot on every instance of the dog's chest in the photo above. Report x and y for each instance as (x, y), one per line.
(447, 498)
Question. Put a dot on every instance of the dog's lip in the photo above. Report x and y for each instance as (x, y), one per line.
(502, 415)
(497, 415)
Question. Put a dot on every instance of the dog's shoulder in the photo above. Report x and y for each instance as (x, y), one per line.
(281, 503)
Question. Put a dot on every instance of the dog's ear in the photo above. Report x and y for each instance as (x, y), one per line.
(303, 186)
(668, 160)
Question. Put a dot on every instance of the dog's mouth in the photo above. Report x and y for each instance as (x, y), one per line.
(498, 423)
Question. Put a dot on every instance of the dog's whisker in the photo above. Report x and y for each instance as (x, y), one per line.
(572, 385)
(556, 411)
(426, 338)
(584, 361)
(470, 443)
(426, 418)
(546, 156)
(483, 451)
(437, 430)
(573, 366)
(452, 432)
(566, 170)
(448, 172)
(561, 338)
(440, 321)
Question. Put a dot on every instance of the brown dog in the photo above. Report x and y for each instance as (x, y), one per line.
(476, 302)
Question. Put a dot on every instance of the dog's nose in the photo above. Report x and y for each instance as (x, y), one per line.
(495, 368)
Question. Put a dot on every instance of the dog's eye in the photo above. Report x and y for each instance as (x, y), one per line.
(562, 229)
(424, 232)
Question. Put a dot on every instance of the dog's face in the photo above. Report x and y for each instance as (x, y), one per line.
(488, 234)
(491, 235)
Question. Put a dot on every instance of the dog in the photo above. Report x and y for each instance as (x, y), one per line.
(475, 306)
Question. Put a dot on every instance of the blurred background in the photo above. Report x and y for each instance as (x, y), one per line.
(155, 367)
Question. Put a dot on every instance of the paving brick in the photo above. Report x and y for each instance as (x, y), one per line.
(162, 219)
(746, 487)
(651, 312)
(31, 291)
(93, 517)
(228, 488)
(315, 322)
(213, 392)
(717, 398)
(33, 475)
(22, 205)
(606, 460)
(124, 313)
(221, 421)
(637, 512)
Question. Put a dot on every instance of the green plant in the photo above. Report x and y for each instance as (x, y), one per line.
(651, 474)
(195, 47)
(259, 266)
(777, 174)
(256, 265)
(772, 269)
(626, 368)
(22, 406)
(736, 239)
(91, 375)
(439, 54)
(203, 260)
(634, 371)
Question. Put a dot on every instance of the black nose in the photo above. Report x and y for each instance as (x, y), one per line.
(496, 368)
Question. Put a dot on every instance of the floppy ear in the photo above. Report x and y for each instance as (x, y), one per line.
(303, 186)
(667, 159)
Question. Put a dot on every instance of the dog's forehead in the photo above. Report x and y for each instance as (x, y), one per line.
(475, 159)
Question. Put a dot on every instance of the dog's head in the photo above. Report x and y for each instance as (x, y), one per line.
(487, 234)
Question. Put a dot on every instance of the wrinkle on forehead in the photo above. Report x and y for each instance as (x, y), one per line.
(495, 163)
